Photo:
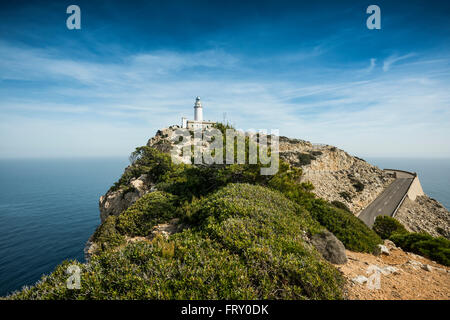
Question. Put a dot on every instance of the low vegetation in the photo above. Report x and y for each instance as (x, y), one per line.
(340, 205)
(150, 210)
(246, 243)
(434, 248)
(358, 185)
(437, 249)
(306, 158)
(107, 236)
(353, 233)
(386, 226)
(246, 238)
(346, 195)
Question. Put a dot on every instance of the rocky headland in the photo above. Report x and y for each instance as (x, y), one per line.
(335, 175)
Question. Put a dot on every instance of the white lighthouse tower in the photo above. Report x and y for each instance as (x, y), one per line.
(198, 122)
(198, 110)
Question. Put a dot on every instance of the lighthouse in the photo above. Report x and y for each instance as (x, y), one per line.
(198, 110)
(198, 122)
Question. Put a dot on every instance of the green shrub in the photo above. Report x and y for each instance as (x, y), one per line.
(106, 235)
(353, 233)
(129, 173)
(145, 160)
(305, 159)
(287, 182)
(151, 209)
(358, 185)
(264, 229)
(437, 249)
(345, 195)
(247, 244)
(340, 205)
(222, 127)
(386, 226)
(195, 268)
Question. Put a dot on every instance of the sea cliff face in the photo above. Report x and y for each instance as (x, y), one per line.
(116, 201)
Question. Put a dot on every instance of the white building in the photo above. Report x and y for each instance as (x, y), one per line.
(198, 122)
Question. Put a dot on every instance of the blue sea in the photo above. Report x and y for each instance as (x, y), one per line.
(434, 174)
(49, 208)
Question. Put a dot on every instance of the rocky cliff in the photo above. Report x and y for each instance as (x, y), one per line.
(425, 214)
(336, 175)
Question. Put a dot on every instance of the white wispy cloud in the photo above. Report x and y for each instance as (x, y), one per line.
(372, 65)
(105, 108)
(389, 61)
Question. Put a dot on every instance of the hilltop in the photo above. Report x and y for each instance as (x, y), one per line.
(180, 231)
(336, 176)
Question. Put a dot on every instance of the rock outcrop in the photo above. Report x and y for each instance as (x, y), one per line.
(336, 175)
(116, 201)
(330, 247)
(425, 215)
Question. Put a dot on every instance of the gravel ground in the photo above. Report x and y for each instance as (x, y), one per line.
(416, 278)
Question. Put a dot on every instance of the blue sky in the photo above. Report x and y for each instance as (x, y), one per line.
(310, 69)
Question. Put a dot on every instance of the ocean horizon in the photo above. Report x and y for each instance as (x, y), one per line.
(49, 208)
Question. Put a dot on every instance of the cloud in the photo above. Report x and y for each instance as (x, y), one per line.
(389, 61)
(68, 106)
(372, 65)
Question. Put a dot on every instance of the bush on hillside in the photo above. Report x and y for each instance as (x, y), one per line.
(437, 249)
(245, 243)
(305, 159)
(264, 228)
(145, 160)
(353, 233)
(287, 182)
(346, 195)
(107, 235)
(358, 185)
(194, 268)
(340, 205)
(151, 209)
(386, 226)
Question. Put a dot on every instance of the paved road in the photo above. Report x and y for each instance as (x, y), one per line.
(386, 203)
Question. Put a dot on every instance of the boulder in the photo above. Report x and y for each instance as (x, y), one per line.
(414, 264)
(427, 267)
(384, 249)
(166, 229)
(390, 245)
(330, 247)
(388, 270)
(360, 279)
